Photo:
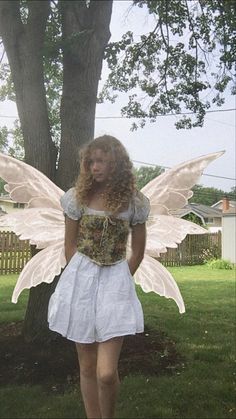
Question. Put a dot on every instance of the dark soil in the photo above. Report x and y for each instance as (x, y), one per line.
(55, 366)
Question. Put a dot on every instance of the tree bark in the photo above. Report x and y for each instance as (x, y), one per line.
(24, 43)
(85, 36)
(24, 47)
(35, 326)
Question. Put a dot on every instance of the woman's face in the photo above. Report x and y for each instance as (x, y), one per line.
(100, 165)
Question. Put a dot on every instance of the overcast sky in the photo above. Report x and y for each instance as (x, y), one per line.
(160, 143)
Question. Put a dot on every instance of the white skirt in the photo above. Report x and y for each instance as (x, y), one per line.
(93, 303)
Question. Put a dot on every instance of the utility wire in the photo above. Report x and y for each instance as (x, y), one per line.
(167, 114)
(136, 117)
(168, 167)
(152, 164)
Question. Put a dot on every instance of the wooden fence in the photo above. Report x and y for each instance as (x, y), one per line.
(14, 253)
(193, 250)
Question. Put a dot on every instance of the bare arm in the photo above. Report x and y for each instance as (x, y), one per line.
(138, 241)
(71, 237)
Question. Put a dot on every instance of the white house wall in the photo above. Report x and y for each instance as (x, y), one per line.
(229, 237)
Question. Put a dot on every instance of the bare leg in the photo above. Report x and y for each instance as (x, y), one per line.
(87, 354)
(107, 375)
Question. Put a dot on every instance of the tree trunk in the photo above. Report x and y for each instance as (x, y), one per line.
(35, 326)
(24, 46)
(85, 36)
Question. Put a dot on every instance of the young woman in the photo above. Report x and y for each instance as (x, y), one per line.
(95, 303)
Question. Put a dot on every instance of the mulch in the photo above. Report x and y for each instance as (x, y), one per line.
(55, 366)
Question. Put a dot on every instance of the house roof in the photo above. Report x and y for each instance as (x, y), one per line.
(231, 203)
(200, 210)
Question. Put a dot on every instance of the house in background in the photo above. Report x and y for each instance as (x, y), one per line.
(229, 231)
(209, 217)
(6, 207)
(220, 204)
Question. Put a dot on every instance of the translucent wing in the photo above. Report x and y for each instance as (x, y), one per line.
(41, 226)
(43, 267)
(165, 231)
(42, 222)
(153, 276)
(172, 189)
(28, 185)
(169, 191)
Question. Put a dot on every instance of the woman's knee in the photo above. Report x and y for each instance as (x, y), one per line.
(88, 370)
(107, 377)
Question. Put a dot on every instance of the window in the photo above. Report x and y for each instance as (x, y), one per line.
(209, 220)
(18, 205)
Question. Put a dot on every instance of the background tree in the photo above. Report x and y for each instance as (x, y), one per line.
(232, 193)
(193, 218)
(145, 174)
(209, 195)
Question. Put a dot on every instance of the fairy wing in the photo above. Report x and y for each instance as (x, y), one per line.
(166, 231)
(169, 191)
(41, 226)
(172, 189)
(28, 185)
(43, 267)
(153, 276)
(42, 222)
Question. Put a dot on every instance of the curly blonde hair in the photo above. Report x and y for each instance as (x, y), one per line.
(120, 185)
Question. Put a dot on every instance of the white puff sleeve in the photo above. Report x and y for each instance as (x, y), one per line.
(70, 205)
(140, 208)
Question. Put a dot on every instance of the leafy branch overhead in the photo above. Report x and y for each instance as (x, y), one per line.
(184, 65)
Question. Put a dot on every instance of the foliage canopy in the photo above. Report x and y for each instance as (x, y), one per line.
(183, 66)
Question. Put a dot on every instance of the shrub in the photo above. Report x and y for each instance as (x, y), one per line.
(219, 264)
(208, 254)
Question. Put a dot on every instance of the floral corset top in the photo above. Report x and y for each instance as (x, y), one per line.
(103, 238)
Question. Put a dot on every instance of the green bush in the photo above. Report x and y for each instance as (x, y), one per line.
(208, 254)
(219, 264)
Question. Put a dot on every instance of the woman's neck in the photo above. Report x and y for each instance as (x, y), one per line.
(96, 198)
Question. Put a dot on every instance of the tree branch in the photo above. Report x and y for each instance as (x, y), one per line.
(146, 40)
(193, 31)
(167, 44)
(195, 38)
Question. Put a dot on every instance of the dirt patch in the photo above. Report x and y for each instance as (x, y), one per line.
(55, 364)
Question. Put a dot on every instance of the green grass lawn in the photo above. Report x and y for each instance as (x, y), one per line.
(202, 387)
